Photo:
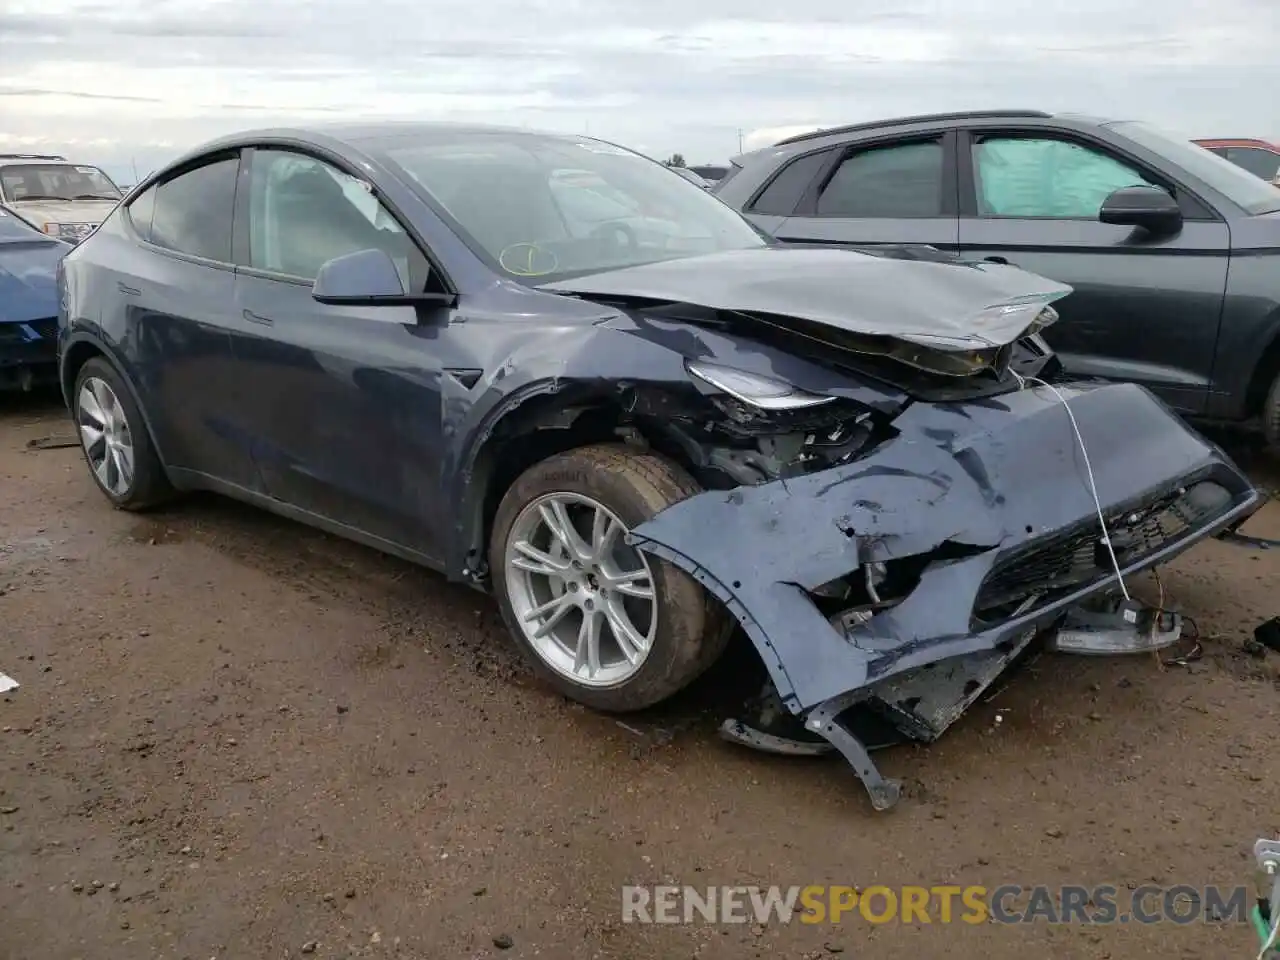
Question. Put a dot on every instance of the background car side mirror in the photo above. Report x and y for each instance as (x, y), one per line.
(1148, 207)
(368, 278)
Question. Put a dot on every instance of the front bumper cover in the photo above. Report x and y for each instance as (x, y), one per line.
(981, 483)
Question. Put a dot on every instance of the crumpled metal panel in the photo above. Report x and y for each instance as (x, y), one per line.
(991, 476)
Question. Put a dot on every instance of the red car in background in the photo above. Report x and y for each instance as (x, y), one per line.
(1259, 157)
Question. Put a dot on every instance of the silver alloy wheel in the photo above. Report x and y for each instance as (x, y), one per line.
(583, 597)
(105, 435)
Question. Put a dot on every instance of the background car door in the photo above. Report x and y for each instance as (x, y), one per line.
(173, 308)
(350, 421)
(897, 192)
(1143, 309)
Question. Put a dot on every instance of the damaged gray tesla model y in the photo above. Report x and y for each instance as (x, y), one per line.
(554, 368)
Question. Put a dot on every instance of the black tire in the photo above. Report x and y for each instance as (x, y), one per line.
(150, 485)
(1271, 417)
(693, 627)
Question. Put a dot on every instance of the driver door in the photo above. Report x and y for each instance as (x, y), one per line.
(350, 423)
(1142, 309)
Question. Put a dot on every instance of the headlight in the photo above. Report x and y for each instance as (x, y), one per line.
(764, 393)
(70, 232)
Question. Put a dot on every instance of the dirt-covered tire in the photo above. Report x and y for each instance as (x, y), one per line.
(1271, 417)
(112, 432)
(692, 627)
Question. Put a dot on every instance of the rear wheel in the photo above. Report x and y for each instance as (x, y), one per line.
(116, 445)
(606, 624)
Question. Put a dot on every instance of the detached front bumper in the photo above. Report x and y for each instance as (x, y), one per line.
(990, 501)
(28, 354)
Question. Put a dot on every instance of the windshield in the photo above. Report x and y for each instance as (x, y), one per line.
(55, 181)
(545, 208)
(1236, 184)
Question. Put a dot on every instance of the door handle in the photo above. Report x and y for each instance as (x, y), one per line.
(125, 288)
(257, 318)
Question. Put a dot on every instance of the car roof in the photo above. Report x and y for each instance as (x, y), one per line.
(362, 137)
(42, 157)
(366, 134)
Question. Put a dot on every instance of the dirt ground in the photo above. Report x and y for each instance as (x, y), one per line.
(236, 737)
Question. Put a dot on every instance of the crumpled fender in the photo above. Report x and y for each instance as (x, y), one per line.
(990, 475)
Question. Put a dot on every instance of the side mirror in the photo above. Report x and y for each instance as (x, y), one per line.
(367, 278)
(1148, 207)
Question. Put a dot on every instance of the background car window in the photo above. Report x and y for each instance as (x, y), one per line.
(784, 191)
(140, 210)
(304, 212)
(1259, 162)
(898, 181)
(193, 211)
(56, 181)
(1025, 177)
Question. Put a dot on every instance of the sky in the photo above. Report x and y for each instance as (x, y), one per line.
(130, 84)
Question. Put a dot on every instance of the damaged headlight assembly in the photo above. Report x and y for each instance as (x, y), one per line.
(763, 393)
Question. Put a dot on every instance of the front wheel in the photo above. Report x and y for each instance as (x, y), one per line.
(604, 623)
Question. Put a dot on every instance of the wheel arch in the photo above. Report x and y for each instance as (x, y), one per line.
(84, 347)
(540, 422)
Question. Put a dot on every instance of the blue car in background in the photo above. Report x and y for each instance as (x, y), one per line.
(28, 304)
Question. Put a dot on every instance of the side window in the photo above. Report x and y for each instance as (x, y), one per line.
(140, 212)
(192, 212)
(1026, 177)
(784, 191)
(304, 212)
(886, 182)
(1259, 162)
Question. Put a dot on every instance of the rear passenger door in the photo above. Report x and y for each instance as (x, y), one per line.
(170, 312)
(890, 191)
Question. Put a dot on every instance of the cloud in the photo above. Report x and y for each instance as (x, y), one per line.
(114, 81)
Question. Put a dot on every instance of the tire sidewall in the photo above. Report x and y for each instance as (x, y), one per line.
(681, 608)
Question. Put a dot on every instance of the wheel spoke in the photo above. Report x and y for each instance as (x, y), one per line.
(630, 642)
(550, 613)
(588, 651)
(90, 436)
(556, 517)
(90, 407)
(633, 583)
(533, 560)
(124, 462)
(105, 400)
(603, 533)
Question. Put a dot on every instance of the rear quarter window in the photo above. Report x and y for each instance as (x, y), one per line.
(783, 193)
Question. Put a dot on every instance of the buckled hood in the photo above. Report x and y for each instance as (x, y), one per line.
(935, 301)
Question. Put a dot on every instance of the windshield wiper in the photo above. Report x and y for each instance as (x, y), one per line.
(93, 196)
(34, 196)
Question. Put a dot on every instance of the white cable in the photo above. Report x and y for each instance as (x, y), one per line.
(1093, 486)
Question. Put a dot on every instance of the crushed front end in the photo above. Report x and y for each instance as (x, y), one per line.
(911, 571)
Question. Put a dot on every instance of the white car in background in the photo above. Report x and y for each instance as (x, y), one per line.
(61, 198)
